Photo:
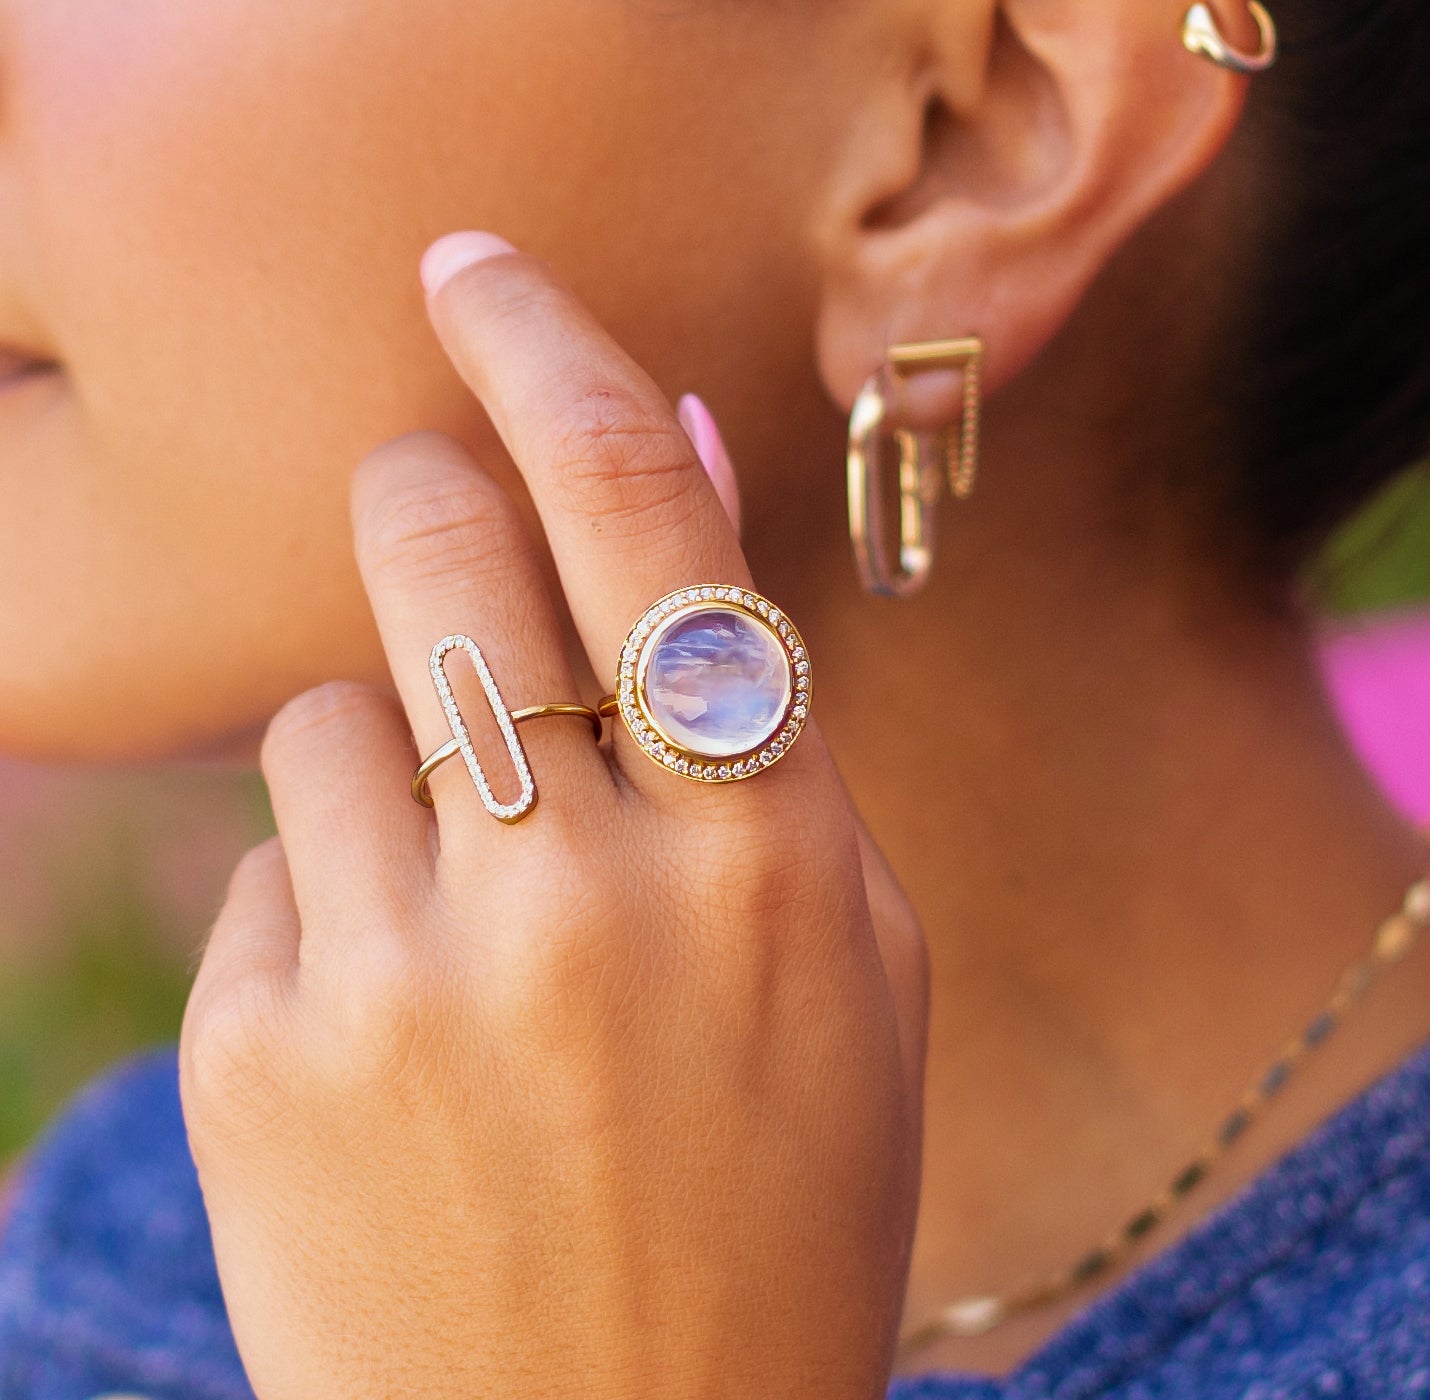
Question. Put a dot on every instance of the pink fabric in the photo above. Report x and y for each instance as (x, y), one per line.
(1378, 673)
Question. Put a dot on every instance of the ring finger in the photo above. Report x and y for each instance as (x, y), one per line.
(443, 553)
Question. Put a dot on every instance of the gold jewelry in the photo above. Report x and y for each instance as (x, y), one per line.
(920, 480)
(507, 721)
(714, 684)
(972, 1317)
(1202, 35)
(453, 747)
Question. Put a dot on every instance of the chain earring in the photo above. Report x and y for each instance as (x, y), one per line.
(924, 458)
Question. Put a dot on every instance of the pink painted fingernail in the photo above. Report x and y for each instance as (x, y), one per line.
(455, 251)
(700, 426)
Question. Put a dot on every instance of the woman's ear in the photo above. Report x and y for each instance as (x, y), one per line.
(990, 179)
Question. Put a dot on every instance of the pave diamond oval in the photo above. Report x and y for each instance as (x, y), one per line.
(509, 812)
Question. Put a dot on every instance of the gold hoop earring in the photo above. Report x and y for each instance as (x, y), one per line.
(1202, 35)
(920, 477)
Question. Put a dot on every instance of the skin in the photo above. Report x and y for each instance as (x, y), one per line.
(679, 1073)
(1139, 847)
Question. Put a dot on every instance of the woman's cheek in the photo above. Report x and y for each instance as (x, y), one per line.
(219, 211)
(228, 273)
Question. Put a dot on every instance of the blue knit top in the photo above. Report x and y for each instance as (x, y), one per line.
(1313, 1282)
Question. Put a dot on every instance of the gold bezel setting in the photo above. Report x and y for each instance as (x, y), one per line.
(641, 724)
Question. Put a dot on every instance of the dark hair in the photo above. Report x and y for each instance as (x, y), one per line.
(1333, 387)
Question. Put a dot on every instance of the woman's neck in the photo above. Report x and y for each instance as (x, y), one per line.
(1143, 854)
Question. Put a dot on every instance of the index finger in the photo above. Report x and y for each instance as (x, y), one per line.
(627, 507)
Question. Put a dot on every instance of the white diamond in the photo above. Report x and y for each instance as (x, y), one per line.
(724, 771)
(503, 811)
(707, 594)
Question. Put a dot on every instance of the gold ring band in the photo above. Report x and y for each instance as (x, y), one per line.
(422, 793)
(560, 711)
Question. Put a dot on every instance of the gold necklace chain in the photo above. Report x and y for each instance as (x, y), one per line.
(972, 1317)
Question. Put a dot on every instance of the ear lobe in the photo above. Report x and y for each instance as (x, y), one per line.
(990, 207)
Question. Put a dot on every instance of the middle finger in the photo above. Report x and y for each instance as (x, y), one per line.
(628, 509)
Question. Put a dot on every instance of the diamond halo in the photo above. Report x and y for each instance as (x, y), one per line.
(637, 713)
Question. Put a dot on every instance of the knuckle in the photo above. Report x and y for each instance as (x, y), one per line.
(768, 868)
(228, 1056)
(315, 715)
(617, 461)
(401, 461)
(569, 956)
(435, 525)
(578, 920)
(762, 844)
(783, 888)
(258, 868)
(405, 1012)
(387, 1001)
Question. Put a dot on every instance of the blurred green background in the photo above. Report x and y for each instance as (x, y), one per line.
(107, 884)
(107, 881)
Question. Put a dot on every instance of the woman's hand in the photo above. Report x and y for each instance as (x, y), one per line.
(621, 1101)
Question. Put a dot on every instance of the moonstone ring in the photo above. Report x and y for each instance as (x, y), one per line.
(714, 684)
